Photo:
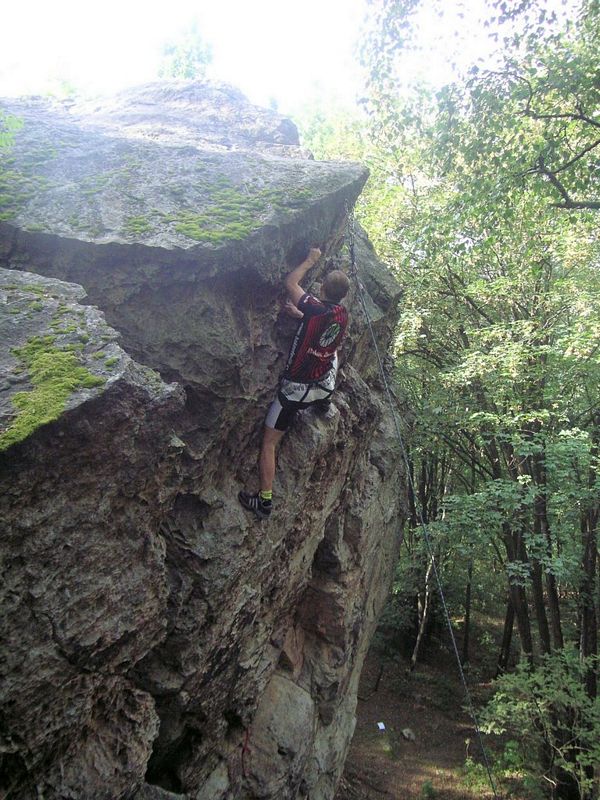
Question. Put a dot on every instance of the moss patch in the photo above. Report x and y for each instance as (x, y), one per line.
(55, 374)
(9, 126)
(234, 215)
(59, 331)
(136, 225)
(30, 287)
(19, 184)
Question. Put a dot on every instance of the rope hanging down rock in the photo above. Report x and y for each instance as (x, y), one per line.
(422, 523)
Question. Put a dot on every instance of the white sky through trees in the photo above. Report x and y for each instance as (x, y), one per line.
(288, 51)
(269, 48)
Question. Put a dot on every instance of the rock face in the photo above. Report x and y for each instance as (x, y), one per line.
(160, 642)
(84, 591)
(213, 116)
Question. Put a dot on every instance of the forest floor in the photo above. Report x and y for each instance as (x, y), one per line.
(428, 701)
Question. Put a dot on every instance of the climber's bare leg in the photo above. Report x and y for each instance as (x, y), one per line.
(266, 464)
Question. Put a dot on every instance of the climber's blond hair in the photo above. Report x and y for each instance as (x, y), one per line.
(335, 285)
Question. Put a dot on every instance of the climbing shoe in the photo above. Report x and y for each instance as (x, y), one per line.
(252, 502)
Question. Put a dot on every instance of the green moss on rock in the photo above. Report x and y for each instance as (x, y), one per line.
(55, 374)
(136, 225)
(234, 215)
(30, 287)
(62, 331)
(20, 183)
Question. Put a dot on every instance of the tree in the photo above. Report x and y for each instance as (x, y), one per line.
(536, 710)
(491, 219)
(187, 57)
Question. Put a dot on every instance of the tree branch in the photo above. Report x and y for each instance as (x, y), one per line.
(591, 205)
(541, 167)
(577, 157)
(568, 202)
(580, 117)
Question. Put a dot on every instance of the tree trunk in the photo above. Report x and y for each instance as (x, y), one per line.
(518, 599)
(554, 611)
(425, 608)
(537, 591)
(542, 528)
(504, 655)
(412, 500)
(515, 550)
(465, 648)
(588, 618)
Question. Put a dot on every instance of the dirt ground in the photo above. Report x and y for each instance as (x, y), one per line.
(429, 702)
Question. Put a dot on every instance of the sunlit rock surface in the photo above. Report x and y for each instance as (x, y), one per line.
(222, 657)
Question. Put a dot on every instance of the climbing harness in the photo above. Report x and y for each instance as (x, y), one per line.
(361, 295)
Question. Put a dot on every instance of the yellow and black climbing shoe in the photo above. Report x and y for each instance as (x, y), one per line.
(255, 503)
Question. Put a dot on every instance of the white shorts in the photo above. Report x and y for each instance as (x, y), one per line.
(293, 397)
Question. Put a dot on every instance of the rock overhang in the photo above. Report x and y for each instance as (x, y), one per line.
(159, 229)
(74, 178)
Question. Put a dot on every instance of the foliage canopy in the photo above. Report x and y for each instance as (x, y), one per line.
(485, 197)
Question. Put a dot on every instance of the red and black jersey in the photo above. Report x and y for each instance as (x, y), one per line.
(318, 337)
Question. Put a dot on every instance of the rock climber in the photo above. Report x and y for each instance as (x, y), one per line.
(310, 371)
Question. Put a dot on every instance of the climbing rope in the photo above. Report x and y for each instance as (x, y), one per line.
(422, 523)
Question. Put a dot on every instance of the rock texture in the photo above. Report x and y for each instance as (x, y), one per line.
(222, 656)
(84, 591)
(213, 116)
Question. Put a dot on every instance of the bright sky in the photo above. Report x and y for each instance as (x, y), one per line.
(281, 49)
(290, 51)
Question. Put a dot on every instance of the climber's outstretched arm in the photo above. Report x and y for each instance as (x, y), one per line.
(292, 281)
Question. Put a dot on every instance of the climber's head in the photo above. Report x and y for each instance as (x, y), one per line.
(335, 286)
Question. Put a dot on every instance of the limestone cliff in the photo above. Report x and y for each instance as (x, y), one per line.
(158, 640)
